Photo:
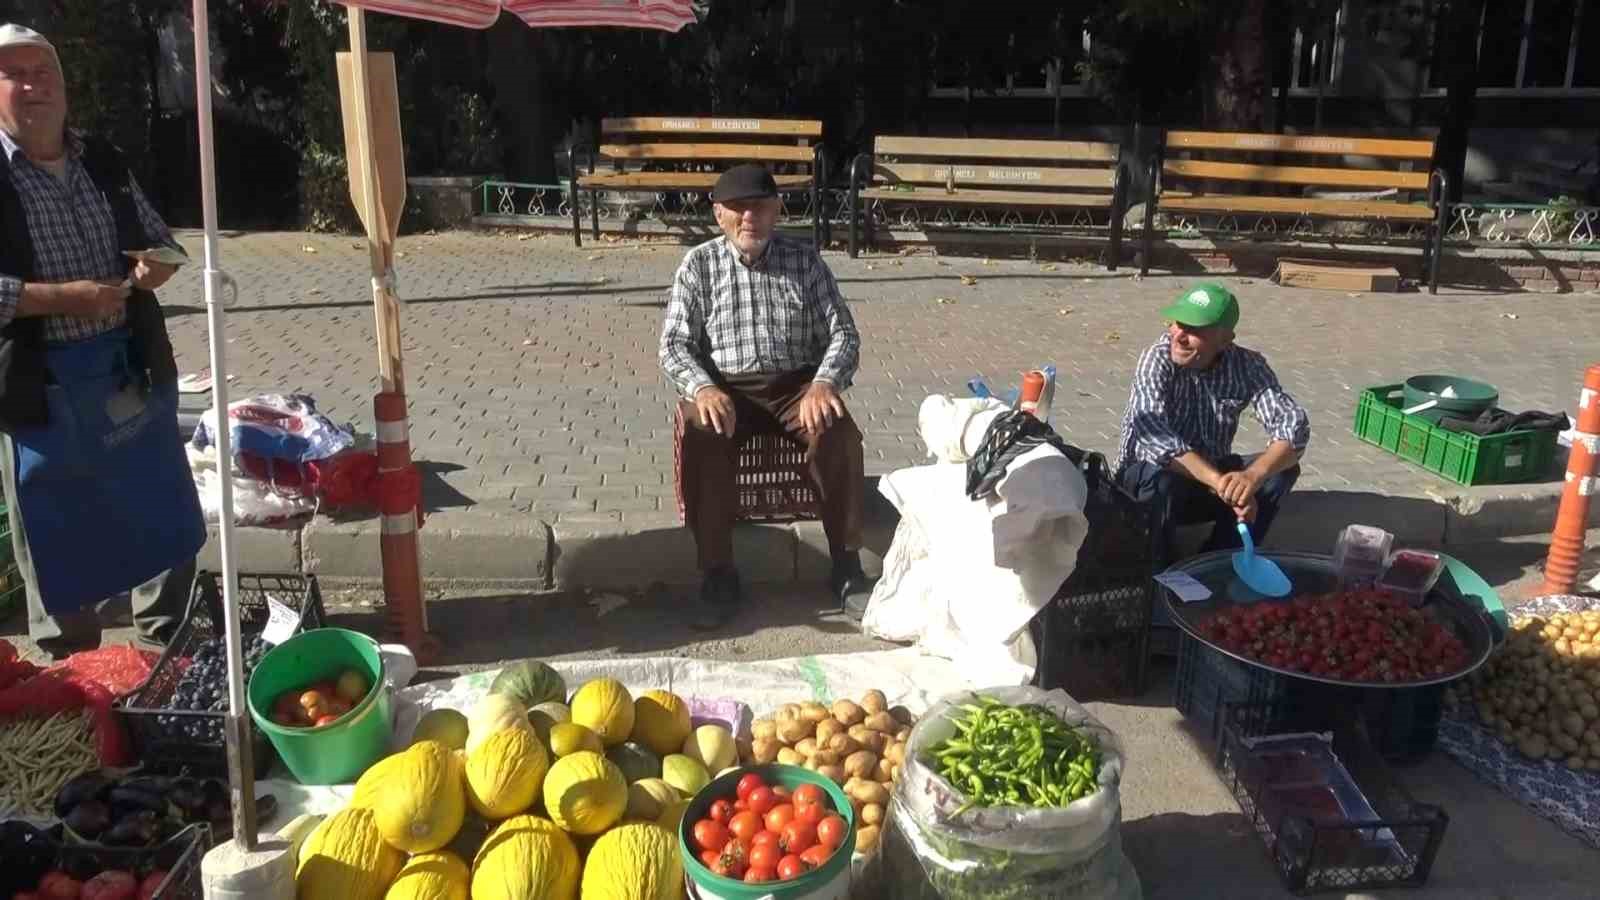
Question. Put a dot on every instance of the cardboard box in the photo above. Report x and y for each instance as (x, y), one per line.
(1336, 277)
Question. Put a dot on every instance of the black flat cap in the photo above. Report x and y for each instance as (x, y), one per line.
(746, 182)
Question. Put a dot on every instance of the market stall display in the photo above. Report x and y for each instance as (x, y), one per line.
(768, 824)
(39, 866)
(139, 810)
(39, 757)
(339, 748)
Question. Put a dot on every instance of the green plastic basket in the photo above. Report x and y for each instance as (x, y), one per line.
(1458, 456)
(11, 586)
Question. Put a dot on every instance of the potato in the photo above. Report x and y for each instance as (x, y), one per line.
(763, 728)
(883, 723)
(813, 711)
(827, 758)
(857, 806)
(883, 772)
(765, 750)
(790, 757)
(859, 732)
(874, 701)
(895, 752)
(867, 791)
(793, 731)
(847, 712)
(866, 838)
(787, 711)
(806, 746)
(871, 814)
(827, 728)
(835, 774)
(811, 763)
(902, 715)
(903, 735)
(894, 772)
(862, 763)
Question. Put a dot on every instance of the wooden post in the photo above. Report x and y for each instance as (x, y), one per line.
(380, 231)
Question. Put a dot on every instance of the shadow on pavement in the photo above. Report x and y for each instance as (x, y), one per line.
(1190, 856)
(555, 290)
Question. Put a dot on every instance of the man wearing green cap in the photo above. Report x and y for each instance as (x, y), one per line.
(1189, 391)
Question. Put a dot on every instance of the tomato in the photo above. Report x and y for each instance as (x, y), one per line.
(811, 815)
(781, 792)
(709, 858)
(815, 856)
(745, 825)
(790, 867)
(765, 855)
(779, 816)
(747, 784)
(831, 832)
(710, 834)
(323, 720)
(758, 874)
(761, 800)
(797, 836)
(808, 795)
(721, 811)
(767, 838)
(734, 857)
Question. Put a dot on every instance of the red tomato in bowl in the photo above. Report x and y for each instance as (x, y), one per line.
(815, 856)
(710, 834)
(745, 826)
(721, 811)
(790, 867)
(760, 874)
(779, 816)
(808, 795)
(831, 832)
(747, 784)
(761, 800)
(797, 837)
(766, 855)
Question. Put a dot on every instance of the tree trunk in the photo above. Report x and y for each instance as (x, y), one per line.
(1458, 29)
(516, 72)
(1239, 93)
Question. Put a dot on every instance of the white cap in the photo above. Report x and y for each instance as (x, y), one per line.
(12, 35)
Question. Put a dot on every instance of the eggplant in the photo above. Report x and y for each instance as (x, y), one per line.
(88, 786)
(133, 798)
(189, 796)
(89, 818)
(150, 784)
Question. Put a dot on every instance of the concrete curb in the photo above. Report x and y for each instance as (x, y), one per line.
(508, 546)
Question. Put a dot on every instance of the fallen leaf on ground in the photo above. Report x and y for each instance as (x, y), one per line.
(897, 262)
(1113, 337)
(1048, 267)
(525, 237)
(943, 300)
(1508, 315)
(600, 280)
(310, 249)
(400, 255)
(907, 251)
(940, 262)
(988, 262)
(968, 280)
(871, 267)
(592, 257)
(1065, 311)
(314, 291)
(527, 343)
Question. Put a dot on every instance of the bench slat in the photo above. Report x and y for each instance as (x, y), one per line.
(710, 125)
(769, 152)
(1026, 176)
(989, 198)
(983, 148)
(1366, 178)
(1345, 209)
(675, 181)
(1288, 143)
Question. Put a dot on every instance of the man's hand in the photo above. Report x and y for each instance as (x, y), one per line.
(1247, 512)
(150, 275)
(715, 408)
(95, 299)
(1238, 489)
(820, 407)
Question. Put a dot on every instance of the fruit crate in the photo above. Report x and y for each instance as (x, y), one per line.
(1093, 637)
(1392, 842)
(30, 853)
(12, 590)
(1460, 457)
(191, 740)
(1402, 724)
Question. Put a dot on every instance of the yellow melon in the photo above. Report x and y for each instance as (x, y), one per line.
(505, 772)
(604, 707)
(636, 861)
(526, 858)
(585, 793)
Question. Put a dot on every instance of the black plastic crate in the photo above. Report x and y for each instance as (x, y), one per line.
(1395, 850)
(1402, 723)
(157, 733)
(1093, 637)
(34, 852)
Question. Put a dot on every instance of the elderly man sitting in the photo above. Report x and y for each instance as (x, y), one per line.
(758, 340)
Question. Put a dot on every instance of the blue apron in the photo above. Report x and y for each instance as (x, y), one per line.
(106, 495)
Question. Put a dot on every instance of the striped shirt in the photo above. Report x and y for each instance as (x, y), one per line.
(1173, 411)
(780, 314)
(74, 236)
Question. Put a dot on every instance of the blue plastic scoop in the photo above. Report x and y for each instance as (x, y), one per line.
(1258, 573)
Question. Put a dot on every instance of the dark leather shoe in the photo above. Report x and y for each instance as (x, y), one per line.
(850, 585)
(720, 598)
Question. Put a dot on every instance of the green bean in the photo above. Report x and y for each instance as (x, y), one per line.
(1022, 755)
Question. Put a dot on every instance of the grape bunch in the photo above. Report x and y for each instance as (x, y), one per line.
(204, 688)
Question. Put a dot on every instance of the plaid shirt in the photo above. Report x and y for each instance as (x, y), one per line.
(74, 236)
(1173, 411)
(781, 314)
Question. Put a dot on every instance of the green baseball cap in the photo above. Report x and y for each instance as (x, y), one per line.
(1204, 305)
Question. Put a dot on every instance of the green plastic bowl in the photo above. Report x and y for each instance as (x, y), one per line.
(711, 886)
(336, 753)
(1472, 397)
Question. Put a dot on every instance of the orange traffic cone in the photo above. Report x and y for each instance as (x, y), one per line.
(1583, 480)
(399, 502)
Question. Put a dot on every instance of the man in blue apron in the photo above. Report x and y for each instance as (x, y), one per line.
(99, 492)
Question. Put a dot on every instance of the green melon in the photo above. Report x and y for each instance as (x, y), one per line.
(531, 682)
(636, 761)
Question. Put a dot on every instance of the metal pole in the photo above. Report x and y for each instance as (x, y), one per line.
(241, 768)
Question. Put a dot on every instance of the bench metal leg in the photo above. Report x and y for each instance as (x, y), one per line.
(855, 222)
(594, 213)
(577, 218)
(1436, 247)
(1149, 237)
(1118, 213)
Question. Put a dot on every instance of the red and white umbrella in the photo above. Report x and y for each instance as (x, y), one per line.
(664, 15)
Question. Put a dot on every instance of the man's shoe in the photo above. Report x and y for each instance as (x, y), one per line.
(720, 597)
(850, 585)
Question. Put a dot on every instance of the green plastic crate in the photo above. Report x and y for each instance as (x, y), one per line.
(1463, 458)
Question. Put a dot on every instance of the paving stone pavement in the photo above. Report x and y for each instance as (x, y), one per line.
(535, 396)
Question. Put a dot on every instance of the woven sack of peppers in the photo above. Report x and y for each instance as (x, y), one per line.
(1008, 792)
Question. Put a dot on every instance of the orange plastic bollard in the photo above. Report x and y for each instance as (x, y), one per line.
(399, 507)
(1583, 480)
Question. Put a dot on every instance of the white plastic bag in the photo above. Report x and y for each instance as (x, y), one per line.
(953, 428)
(996, 853)
(254, 502)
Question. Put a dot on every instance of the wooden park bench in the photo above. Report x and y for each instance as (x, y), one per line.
(1222, 174)
(684, 156)
(969, 176)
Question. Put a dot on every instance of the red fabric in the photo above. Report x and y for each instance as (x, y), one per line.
(345, 479)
